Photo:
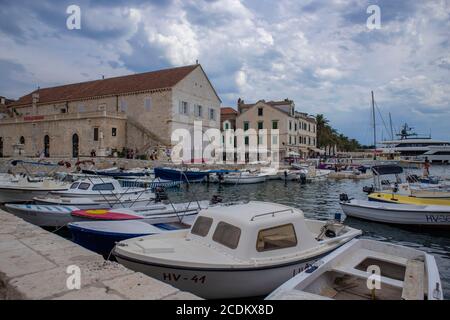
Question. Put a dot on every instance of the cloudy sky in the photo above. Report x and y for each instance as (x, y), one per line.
(318, 53)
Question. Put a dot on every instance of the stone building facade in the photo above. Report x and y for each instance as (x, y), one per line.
(137, 112)
(297, 131)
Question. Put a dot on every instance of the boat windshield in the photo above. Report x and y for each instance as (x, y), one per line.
(227, 235)
(280, 237)
(201, 226)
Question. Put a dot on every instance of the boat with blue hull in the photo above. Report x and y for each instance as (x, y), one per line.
(180, 175)
(102, 236)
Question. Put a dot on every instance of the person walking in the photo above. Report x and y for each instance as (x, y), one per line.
(426, 167)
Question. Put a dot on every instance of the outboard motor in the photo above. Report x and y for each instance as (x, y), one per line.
(216, 199)
(368, 189)
(302, 178)
(343, 197)
(160, 194)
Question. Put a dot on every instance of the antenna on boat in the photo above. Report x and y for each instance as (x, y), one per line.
(374, 130)
(390, 123)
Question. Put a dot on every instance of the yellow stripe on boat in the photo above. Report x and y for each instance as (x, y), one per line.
(395, 198)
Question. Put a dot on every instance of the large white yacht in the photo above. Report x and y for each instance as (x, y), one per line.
(410, 147)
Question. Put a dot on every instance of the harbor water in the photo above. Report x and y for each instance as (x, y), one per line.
(320, 200)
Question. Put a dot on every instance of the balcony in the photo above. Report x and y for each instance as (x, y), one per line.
(63, 116)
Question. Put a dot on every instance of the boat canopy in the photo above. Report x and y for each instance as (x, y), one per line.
(387, 169)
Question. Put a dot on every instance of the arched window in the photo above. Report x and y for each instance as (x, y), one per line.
(22, 140)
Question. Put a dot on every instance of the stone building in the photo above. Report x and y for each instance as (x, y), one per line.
(137, 112)
(297, 131)
(228, 118)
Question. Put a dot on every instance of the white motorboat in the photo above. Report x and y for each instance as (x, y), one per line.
(290, 175)
(59, 216)
(97, 188)
(396, 213)
(134, 200)
(366, 270)
(243, 178)
(24, 189)
(270, 173)
(238, 250)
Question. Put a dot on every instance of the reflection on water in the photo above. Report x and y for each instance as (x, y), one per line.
(321, 200)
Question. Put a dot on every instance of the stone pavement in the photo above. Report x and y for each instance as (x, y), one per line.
(34, 265)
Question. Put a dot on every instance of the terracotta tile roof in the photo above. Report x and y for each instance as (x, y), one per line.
(160, 79)
(227, 110)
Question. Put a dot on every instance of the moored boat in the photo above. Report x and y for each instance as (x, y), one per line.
(231, 251)
(243, 178)
(25, 189)
(366, 270)
(180, 175)
(400, 214)
(398, 198)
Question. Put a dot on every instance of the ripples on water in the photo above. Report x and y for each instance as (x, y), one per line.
(321, 200)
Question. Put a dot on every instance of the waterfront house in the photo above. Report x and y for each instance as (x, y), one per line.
(138, 112)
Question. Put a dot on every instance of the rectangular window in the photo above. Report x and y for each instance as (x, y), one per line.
(201, 226)
(274, 125)
(212, 114)
(274, 140)
(227, 235)
(260, 112)
(63, 110)
(148, 104)
(95, 134)
(198, 111)
(260, 125)
(276, 238)
(246, 125)
(123, 105)
(74, 185)
(227, 126)
(184, 107)
(84, 186)
(114, 132)
(290, 139)
(246, 141)
(295, 140)
(103, 187)
(290, 125)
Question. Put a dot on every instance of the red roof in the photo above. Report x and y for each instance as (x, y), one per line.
(160, 79)
(227, 110)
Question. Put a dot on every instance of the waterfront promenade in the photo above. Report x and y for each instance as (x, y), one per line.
(34, 265)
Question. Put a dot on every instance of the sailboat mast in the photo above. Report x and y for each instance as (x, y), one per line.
(390, 123)
(374, 129)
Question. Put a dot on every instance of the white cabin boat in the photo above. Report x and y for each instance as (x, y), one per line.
(244, 178)
(24, 189)
(97, 188)
(396, 213)
(366, 270)
(231, 251)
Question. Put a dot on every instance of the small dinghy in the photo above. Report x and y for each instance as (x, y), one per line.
(235, 250)
(24, 189)
(102, 236)
(396, 213)
(366, 270)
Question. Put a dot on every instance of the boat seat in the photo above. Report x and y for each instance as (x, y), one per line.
(413, 285)
(301, 295)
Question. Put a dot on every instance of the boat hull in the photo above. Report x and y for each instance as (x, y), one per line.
(178, 175)
(220, 283)
(404, 199)
(399, 216)
(243, 180)
(44, 216)
(9, 195)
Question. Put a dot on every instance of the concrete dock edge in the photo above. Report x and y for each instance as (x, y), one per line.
(34, 265)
